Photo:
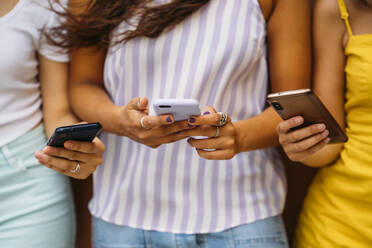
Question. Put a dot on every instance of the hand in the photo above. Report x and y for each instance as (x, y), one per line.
(64, 160)
(156, 130)
(301, 143)
(225, 145)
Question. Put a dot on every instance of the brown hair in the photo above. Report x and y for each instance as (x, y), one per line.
(94, 25)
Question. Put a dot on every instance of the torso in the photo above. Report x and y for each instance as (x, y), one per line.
(20, 97)
(339, 202)
(217, 56)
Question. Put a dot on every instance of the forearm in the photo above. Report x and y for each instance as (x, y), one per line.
(60, 118)
(324, 157)
(94, 106)
(258, 132)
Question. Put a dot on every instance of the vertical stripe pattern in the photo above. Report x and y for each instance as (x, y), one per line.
(217, 56)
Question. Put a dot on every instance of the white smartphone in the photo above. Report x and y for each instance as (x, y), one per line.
(180, 108)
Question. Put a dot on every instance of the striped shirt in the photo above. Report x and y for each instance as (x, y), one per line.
(217, 56)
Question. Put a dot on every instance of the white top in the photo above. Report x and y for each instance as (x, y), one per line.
(20, 43)
(218, 57)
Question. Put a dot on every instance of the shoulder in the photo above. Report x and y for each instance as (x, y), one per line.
(327, 14)
(328, 8)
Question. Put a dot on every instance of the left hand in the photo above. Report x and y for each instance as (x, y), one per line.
(64, 160)
(225, 145)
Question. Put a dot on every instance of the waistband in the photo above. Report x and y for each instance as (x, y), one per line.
(32, 137)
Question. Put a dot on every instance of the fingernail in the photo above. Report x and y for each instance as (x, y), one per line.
(40, 155)
(326, 133)
(169, 119)
(69, 145)
(206, 113)
(321, 126)
(298, 120)
(192, 120)
(328, 140)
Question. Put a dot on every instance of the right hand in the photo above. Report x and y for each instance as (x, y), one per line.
(158, 129)
(301, 143)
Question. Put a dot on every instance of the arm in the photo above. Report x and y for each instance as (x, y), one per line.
(57, 112)
(87, 66)
(289, 46)
(329, 33)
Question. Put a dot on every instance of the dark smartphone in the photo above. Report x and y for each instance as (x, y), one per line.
(80, 132)
(305, 103)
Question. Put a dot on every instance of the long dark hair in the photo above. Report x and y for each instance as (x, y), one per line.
(94, 24)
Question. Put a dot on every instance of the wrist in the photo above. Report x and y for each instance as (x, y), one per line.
(238, 138)
(118, 122)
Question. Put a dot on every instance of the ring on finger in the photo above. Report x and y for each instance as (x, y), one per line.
(142, 124)
(217, 132)
(76, 169)
(223, 119)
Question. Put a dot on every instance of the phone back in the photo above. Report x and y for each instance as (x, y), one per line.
(309, 106)
(181, 109)
(82, 132)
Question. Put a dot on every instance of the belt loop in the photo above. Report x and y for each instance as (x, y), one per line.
(12, 159)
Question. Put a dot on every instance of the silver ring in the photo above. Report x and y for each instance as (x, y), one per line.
(77, 168)
(223, 119)
(217, 132)
(141, 121)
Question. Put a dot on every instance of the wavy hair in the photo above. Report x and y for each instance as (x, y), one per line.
(94, 24)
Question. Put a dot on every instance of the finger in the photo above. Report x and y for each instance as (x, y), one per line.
(305, 133)
(285, 126)
(302, 155)
(50, 161)
(170, 139)
(207, 119)
(211, 143)
(175, 128)
(96, 146)
(307, 143)
(207, 111)
(298, 135)
(209, 131)
(138, 103)
(64, 153)
(216, 155)
(150, 121)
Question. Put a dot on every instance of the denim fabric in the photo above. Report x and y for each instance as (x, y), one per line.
(36, 207)
(266, 233)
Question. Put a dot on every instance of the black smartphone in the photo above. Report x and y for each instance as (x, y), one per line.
(81, 132)
(305, 103)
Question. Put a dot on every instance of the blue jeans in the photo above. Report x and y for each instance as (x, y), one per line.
(266, 233)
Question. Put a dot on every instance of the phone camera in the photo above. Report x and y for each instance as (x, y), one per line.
(277, 106)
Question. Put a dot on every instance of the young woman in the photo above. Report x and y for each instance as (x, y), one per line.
(36, 206)
(338, 209)
(214, 51)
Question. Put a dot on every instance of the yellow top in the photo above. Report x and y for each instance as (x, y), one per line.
(338, 208)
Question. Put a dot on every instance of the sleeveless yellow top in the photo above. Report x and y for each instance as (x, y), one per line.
(338, 208)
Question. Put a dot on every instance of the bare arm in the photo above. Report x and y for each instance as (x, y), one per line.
(57, 112)
(56, 109)
(289, 46)
(329, 33)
